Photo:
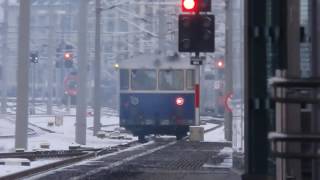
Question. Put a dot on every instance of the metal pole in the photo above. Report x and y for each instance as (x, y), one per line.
(291, 122)
(315, 30)
(81, 123)
(23, 76)
(60, 91)
(162, 31)
(197, 92)
(51, 44)
(33, 78)
(4, 58)
(256, 143)
(97, 71)
(228, 66)
(68, 103)
(197, 89)
(57, 82)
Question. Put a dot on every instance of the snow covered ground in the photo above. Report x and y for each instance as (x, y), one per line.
(215, 136)
(9, 169)
(61, 137)
(6, 129)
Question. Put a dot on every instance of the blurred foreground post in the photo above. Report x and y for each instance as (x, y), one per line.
(4, 58)
(51, 59)
(23, 76)
(81, 115)
(97, 71)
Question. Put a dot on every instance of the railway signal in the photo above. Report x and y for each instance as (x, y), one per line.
(196, 33)
(34, 58)
(189, 5)
(205, 5)
(220, 64)
(68, 59)
(196, 6)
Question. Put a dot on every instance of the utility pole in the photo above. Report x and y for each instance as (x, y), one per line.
(197, 88)
(315, 30)
(197, 92)
(33, 79)
(81, 120)
(21, 133)
(4, 58)
(230, 18)
(51, 58)
(97, 71)
(162, 31)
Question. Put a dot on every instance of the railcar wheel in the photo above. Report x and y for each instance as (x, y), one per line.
(180, 136)
(142, 139)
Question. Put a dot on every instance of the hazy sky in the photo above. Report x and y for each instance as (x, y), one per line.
(1, 11)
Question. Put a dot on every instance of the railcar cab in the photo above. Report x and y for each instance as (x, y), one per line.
(157, 96)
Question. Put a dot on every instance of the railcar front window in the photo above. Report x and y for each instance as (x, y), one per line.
(171, 80)
(143, 79)
(124, 79)
(190, 79)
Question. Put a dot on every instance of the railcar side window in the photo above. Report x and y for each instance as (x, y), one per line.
(171, 80)
(190, 79)
(143, 79)
(124, 79)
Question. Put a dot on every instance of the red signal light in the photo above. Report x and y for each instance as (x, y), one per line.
(179, 101)
(67, 56)
(220, 64)
(189, 5)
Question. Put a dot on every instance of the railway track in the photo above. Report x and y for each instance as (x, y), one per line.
(214, 128)
(75, 156)
(70, 157)
(44, 154)
(154, 159)
(31, 132)
(106, 161)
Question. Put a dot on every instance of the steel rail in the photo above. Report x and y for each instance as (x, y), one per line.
(81, 155)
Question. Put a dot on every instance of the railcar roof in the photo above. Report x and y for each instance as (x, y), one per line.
(157, 62)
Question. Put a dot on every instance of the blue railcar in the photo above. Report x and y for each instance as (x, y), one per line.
(157, 96)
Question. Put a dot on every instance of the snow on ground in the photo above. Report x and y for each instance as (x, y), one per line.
(63, 135)
(9, 169)
(209, 126)
(209, 118)
(6, 128)
(226, 153)
(215, 136)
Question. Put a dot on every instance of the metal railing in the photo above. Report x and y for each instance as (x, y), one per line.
(295, 91)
